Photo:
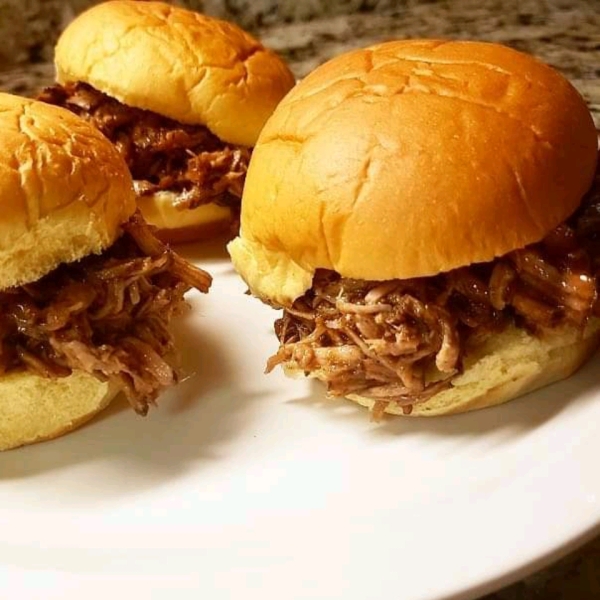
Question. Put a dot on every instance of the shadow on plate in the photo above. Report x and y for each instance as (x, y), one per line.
(508, 420)
(123, 452)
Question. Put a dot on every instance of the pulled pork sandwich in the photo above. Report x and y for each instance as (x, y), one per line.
(182, 96)
(425, 214)
(87, 293)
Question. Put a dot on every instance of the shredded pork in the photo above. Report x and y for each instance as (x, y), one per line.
(162, 154)
(107, 315)
(403, 341)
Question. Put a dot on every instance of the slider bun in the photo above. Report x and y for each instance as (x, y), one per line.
(176, 226)
(507, 365)
(34, 408)
(411, 158)
(64, 190)
(177, 63)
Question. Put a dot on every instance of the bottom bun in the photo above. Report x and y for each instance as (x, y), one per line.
(35, 409)
(503, 367)
(177, 226)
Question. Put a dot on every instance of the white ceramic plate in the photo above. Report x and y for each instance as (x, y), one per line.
(241, 485)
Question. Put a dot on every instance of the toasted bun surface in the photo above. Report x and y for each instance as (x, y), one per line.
(408, 159)
(507, 365)
(177, 63)
(64, 190)
(187, 225)
(34, 408)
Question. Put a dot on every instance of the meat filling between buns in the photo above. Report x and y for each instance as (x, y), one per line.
(107, 315)
(403, 341)
(162, 154)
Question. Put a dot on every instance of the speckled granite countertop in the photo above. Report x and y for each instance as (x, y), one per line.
(564, 33)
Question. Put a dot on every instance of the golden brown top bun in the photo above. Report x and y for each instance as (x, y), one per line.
(64, 189)
(177, 63)
(411, 158)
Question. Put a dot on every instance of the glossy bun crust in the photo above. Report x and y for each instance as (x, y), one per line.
(64, 190)
(411, 158)
(175, 62)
